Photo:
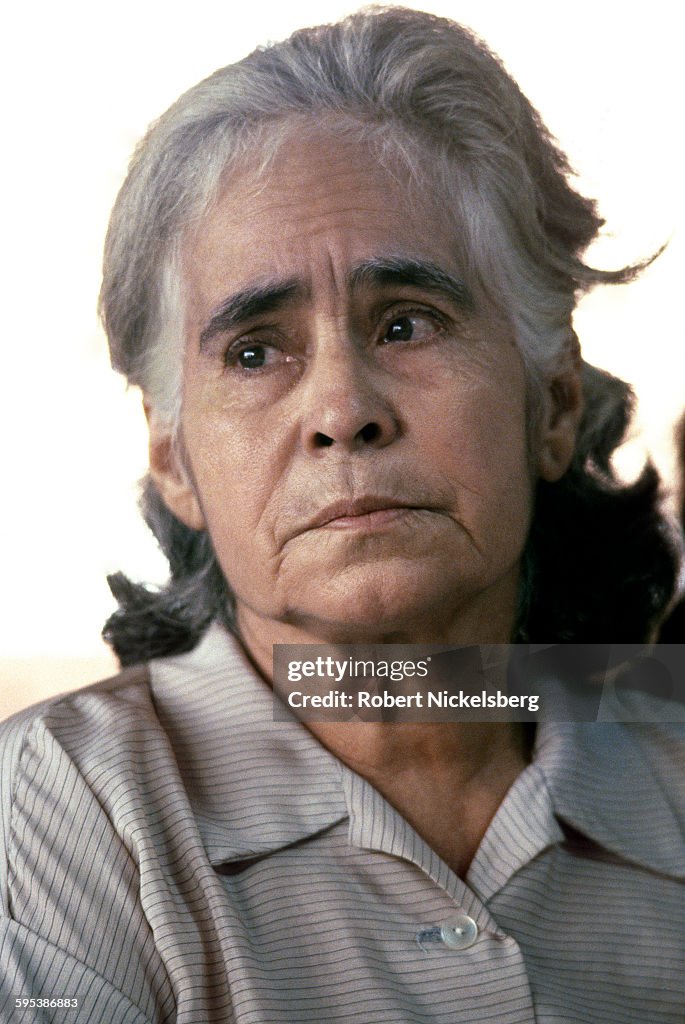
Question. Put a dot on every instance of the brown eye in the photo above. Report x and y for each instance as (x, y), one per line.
(252, 358)
(401, 329)
(411, 327)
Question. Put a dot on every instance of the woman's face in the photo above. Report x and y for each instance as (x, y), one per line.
(354, 424)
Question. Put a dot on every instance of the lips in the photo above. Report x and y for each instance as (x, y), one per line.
(347, 511)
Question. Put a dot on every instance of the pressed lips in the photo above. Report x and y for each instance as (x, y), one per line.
(361, 512)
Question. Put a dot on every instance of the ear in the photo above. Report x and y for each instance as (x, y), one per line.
(562, 412)
(171, 477)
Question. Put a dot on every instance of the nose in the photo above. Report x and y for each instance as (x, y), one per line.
(348, 404)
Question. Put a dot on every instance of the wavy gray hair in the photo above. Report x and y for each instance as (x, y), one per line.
(431, 100)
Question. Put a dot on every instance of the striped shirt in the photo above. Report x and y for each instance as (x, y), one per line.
(169, 853)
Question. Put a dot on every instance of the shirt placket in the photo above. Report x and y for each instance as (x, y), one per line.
(450, 939)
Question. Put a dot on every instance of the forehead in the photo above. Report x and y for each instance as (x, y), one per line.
(320, 209)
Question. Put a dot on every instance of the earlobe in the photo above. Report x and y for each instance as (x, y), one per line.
(563, 409)
(169, 474)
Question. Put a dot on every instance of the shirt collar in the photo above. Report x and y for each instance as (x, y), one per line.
(622, 784)
(257, 785)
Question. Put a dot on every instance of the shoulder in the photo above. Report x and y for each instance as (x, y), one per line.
(38, 744)
(79, 801)
(70, 919)
(619, 779)
(129, 687)
(126, 685)
(111, 750)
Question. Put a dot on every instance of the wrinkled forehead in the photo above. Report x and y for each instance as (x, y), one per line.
(324, 221)
(317, 211)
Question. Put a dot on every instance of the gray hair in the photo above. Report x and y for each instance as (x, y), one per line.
(412, 86)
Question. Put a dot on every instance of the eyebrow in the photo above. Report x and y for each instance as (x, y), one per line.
(249, 303)
(381, 271)
(402, 270)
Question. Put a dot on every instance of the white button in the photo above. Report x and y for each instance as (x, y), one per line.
(459, 932)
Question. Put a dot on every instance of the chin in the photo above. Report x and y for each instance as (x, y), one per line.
(386, 605)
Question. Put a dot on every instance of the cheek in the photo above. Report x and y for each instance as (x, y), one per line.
(233, 482)
(235, 477)
(221, 449)
(481, 437)
(479, 444)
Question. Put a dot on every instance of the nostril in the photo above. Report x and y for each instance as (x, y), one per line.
(369, 433)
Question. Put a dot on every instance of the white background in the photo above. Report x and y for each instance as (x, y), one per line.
(80, 83)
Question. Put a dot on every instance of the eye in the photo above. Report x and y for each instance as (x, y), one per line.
(411, 327)
(254, 356)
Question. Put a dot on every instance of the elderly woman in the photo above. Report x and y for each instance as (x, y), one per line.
(343, 272)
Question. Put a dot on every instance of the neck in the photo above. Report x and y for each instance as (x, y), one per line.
(447, 779)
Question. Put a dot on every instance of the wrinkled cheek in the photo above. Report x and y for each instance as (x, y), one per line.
(507, 490)
(513, 510)
(245, 549)
(242, 563)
